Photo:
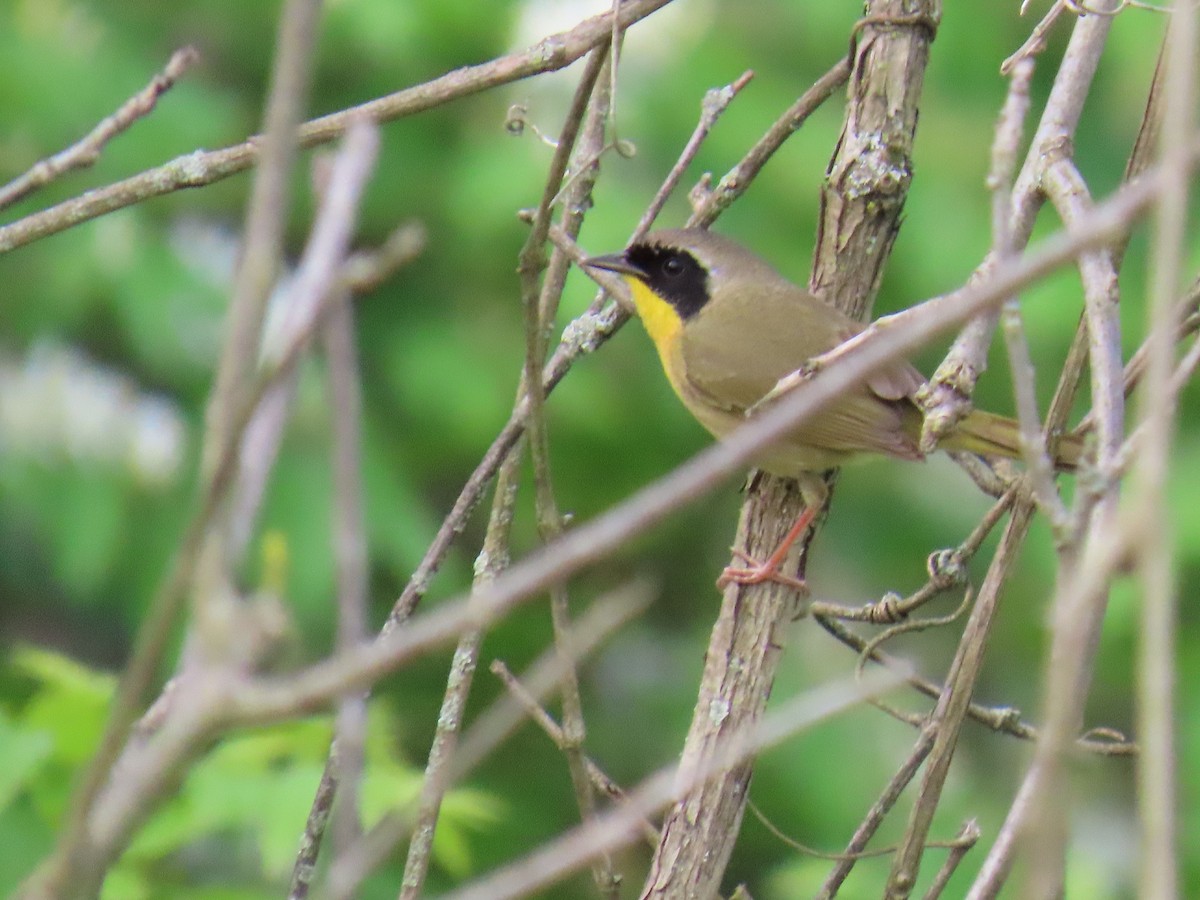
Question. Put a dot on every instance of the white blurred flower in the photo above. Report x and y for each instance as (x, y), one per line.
(58, 403)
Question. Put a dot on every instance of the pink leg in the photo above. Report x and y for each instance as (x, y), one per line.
(758, 572)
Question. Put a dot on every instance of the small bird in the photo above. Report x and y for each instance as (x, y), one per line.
(728, 327)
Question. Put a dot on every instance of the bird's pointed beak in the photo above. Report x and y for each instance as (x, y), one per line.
(613, 262)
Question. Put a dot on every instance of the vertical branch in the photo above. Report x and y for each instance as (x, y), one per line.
(364, 270)
(265, 220)
(875, 815)
(310, 293)
(947, 717)
(747, 641)
(350, 557)
(861, 201)
(947, 399)
(540, 309)
(492, 559)
(871, 169)
(297, 27)
(1098, 272)
(1156, 772)
(1040, 471)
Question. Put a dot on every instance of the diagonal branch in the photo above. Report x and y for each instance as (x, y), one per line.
(86, 151)
(203, 168)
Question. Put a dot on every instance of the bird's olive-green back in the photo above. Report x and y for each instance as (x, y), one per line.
(758, 327)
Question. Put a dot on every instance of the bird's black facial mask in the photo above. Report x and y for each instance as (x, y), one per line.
(673, 274)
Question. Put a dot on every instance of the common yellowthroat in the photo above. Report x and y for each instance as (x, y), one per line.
(728, 326)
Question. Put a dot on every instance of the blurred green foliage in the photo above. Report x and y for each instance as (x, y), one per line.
(135, 299)
(239, 804)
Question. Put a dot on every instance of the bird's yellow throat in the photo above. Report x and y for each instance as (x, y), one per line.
(659, 318)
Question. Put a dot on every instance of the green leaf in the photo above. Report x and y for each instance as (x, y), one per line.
(22, 754)
(71, 704)
(279, 832)
(125, 883)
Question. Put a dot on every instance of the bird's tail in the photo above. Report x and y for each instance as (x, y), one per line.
(992, 435)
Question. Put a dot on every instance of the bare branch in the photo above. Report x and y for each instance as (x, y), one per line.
(310, 296)
(555, 732)
(202, 168)
(322, 261)
(260, 256)
(595, 626)
(350, 557)
(861, 199)
(265, 219)
(540, 309)
(492, 559)
(737, 179)
(947, 717)
(876, 814)
(86, 151)
(1003, 720)
(620, 826)
(1036, 42)
(967, 837)
(1157, 781)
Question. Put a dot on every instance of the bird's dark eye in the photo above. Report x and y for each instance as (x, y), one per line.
(672, 267)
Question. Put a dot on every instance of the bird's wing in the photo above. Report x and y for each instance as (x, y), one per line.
(733, 377)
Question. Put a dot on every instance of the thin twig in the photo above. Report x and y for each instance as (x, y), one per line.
(948, 715)
(1036, 42)
(1157, 776)
(1003, 720)
(1039, 468)
(1066, 189)
(315, 290)
(557, 51)
(555, 732)
(737, 179)
(262, 243)
(620, 826)
(947, 570)
(350, 558)
(715, 102)
(875, 815)
(967, 837)
(86, 151)
(540, 307)
(493, 558)
(265, 220)
(595, 626)
(778, 834)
